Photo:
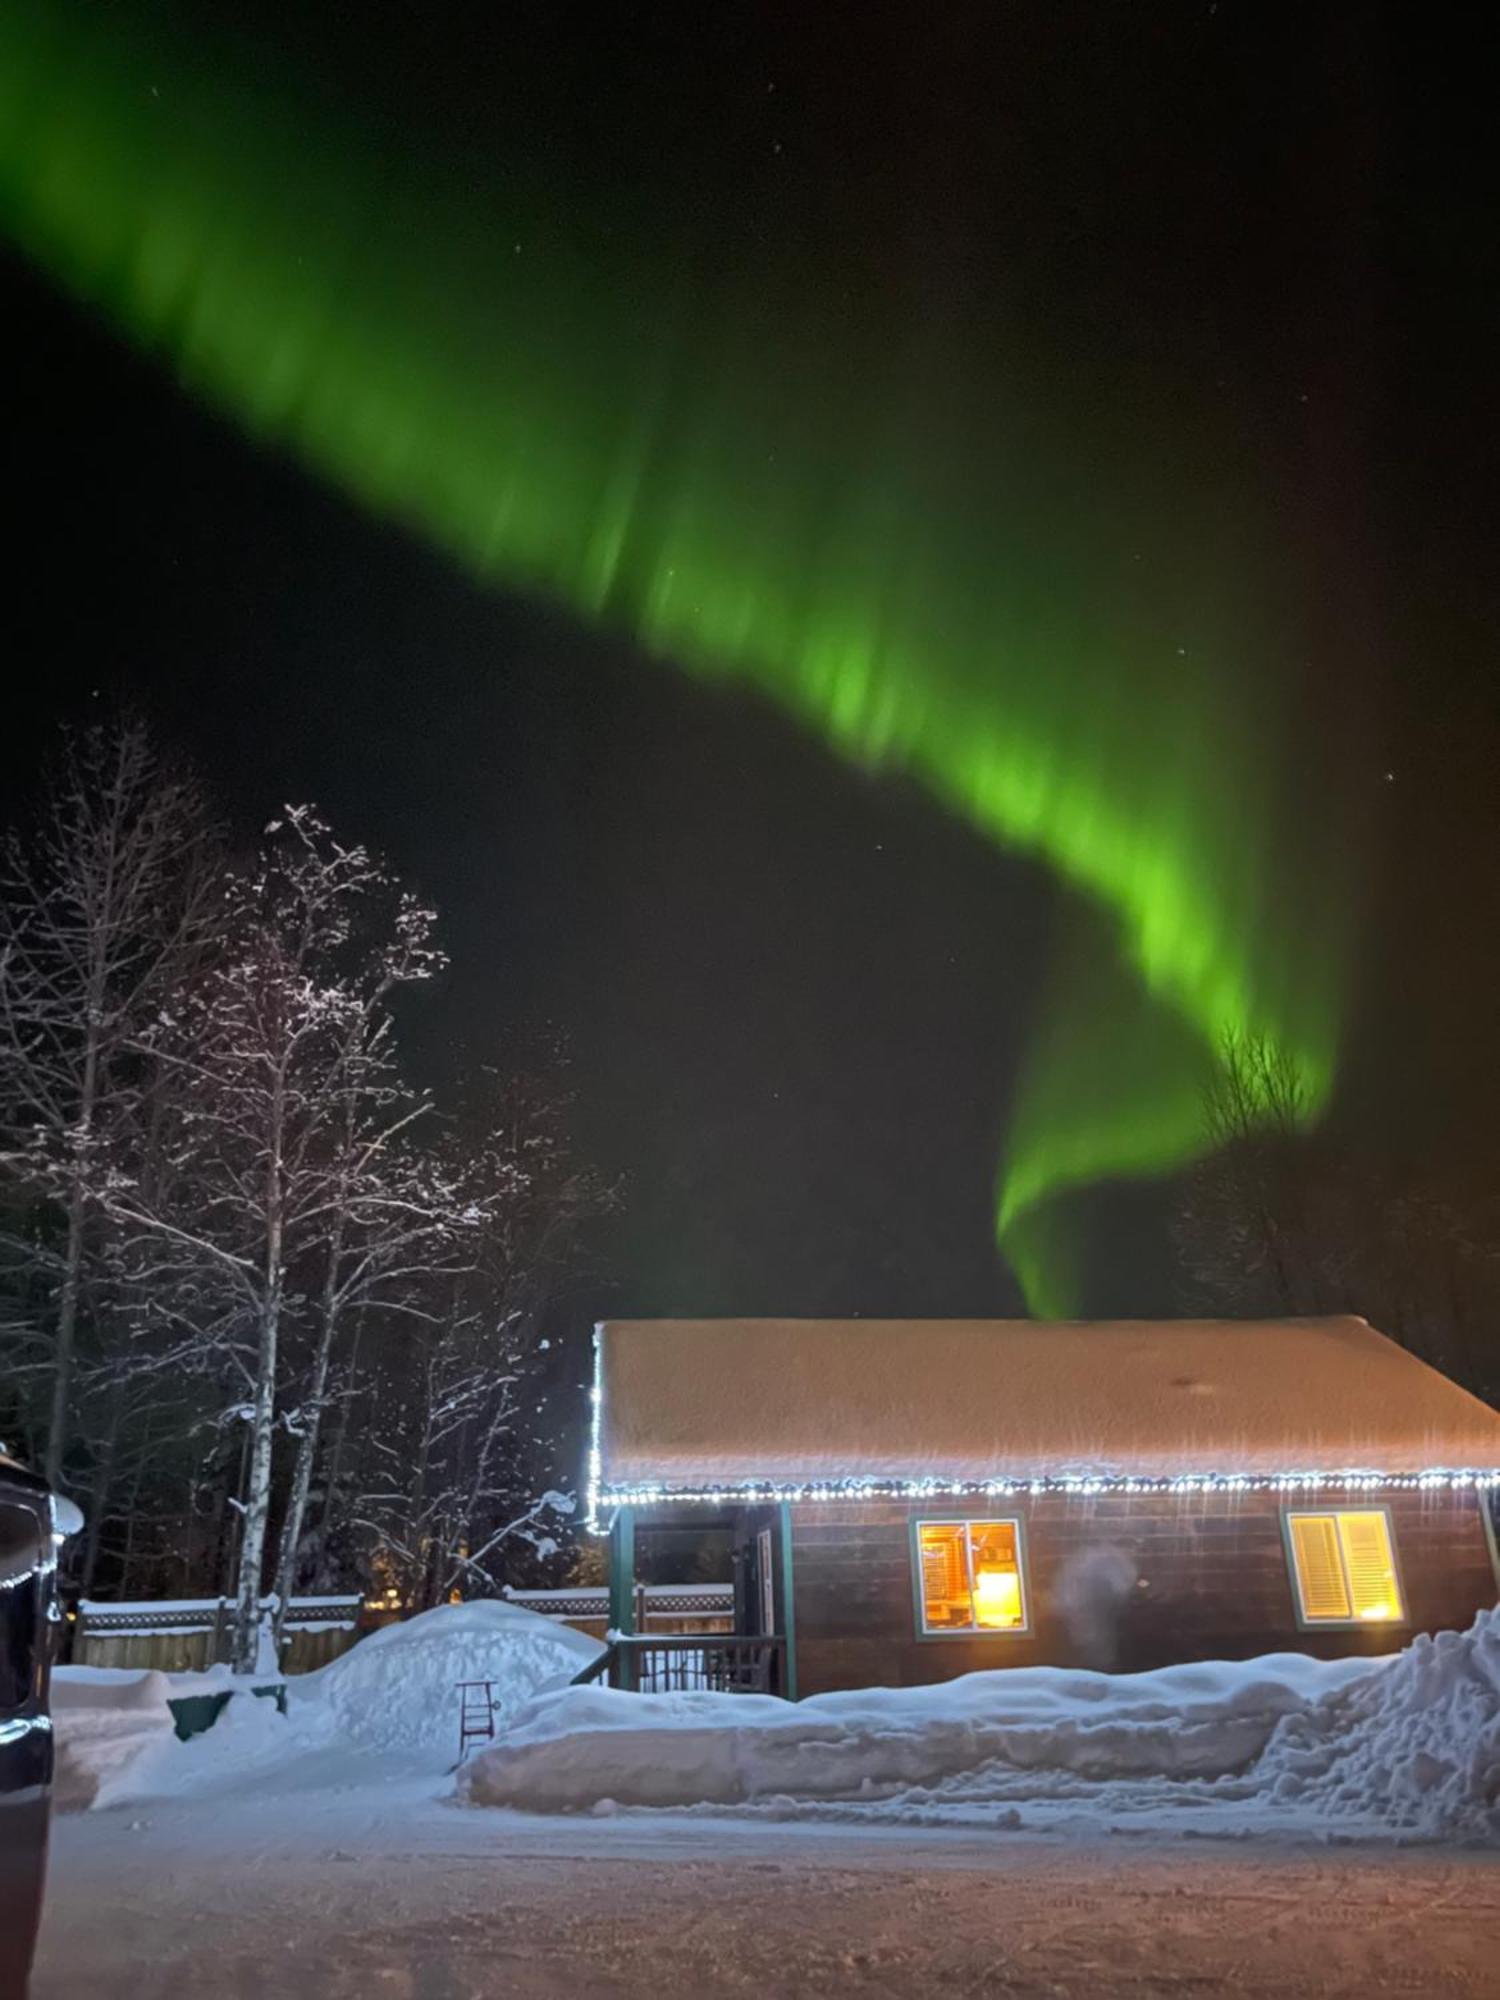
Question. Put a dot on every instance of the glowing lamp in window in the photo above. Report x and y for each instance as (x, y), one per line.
(997, 1597)
(1344, 1565)
(969, 1574)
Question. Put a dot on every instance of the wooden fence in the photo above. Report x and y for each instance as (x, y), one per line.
(186, 1635)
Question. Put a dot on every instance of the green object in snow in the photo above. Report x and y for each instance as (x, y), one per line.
(193, 1713)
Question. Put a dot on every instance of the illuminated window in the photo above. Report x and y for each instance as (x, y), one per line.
(969, 1575)
(1345, 1568)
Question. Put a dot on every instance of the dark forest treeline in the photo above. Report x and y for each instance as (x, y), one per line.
(273, 1316)
(1281, 1218)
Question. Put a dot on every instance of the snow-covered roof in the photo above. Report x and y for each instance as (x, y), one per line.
(699, 1406)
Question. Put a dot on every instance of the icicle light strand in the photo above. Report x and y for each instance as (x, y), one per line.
(604, 1495)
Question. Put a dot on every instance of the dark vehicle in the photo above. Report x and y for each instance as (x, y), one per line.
(27, 1611)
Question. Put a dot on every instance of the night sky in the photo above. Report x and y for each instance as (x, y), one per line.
(1021, 297)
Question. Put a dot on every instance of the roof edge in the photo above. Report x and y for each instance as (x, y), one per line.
(621, 1493)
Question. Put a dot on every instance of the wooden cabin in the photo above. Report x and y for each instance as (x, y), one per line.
(914, 1499)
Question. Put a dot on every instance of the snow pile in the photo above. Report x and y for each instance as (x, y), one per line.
(1416, 1747)
(104, 1720)
(1409, 1744)
(397, 1689)
(116, 1736)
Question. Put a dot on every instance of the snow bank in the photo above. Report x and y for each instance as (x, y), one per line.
(1409, 1744)
(116, 1737)
(396, 1690)
(104, 1720)
(393, 1692)
(106, 1687)
(568, 1750)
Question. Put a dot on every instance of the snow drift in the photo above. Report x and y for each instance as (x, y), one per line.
(396, 1690)
(1409, 1744)
(104, 1720)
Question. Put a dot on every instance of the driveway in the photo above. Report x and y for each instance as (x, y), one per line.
(336, 1888)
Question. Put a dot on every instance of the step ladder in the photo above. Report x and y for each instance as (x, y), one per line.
(476, 1714)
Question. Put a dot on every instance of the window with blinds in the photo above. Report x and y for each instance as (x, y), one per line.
(969, 1576)
(1344, 1566)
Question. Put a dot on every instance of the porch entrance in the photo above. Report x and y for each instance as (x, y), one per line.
(757, 1657)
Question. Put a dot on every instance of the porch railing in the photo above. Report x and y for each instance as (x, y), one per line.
(727, 1664)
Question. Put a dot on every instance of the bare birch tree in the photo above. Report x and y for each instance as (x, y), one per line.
(102, 908)
(280, 1057)
(396, 1222)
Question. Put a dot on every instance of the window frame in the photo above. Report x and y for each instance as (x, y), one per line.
(1294, 1574)
(967, 1521)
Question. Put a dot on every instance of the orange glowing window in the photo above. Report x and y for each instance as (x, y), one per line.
(970, 1578)
(1345, 1567)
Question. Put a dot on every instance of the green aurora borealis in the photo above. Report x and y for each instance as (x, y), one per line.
(912, 542)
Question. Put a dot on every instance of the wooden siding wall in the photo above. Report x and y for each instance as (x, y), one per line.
(1214, 1568)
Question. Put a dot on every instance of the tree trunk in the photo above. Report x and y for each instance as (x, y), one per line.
(307, 1448)
(63, 1344)
(243, 1656)
(227, 1547)
(263, 1432)
(322, 1569)
(72, 1281)
(132, 1512)
(99, 1492)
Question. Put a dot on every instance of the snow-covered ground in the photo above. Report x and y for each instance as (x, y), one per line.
(1007, 1834)
(344, 1890)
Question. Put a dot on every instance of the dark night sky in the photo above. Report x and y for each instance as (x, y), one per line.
(794, 992)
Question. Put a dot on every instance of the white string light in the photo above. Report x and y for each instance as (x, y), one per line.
(1078, 1486)
(596, 1418)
